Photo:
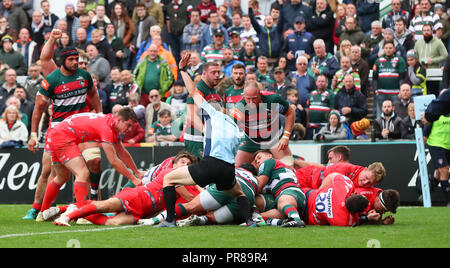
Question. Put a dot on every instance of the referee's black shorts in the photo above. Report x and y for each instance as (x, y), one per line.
(439, 156)
(213, 170)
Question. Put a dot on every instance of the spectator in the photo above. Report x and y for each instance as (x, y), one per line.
(235, 6)
(345, 49)
(8, 87)
(368, 11)
(85, 23)
(116, 44)
(100, 20)
(388, 124)
(431, 50)
(192, 33)
(37, 27)
(378, 51)
(103, 47)
(323, 62)
(374, 38)
(17, 18)
(50, 19)
(205, 7)
(346, 68)
(339, 23)
(177, 99)
(208, 32)
(195, 69)
(404, 99)
(416, 76)
(319, 105)
(81, 41)
(123, 25)
(224, 18)
(13, 132)
(281, 85)
(409, 124)
(353, 33)
(214, 51)
(26, 46)
(388, 74)
(13, 100)
(152, 73)
(139, 109)
(397, 13)
(155, 30)
(248, 31)
(249, 54)
(98, 64)
(33, 81)
(177, 17)
(6, 30)
(333, 130)
(129, 87)
(350, 103)
(321, 24)
(235, 43)
(152, 110)
(263, 75)
(136, 134)
(12, 58)
(300, 111)
(81, 8)
(143, 22)
(73, 23)
(161, 130)
(360, 66)
(403, 35)
(298, 43)
(153, 9)
(291, 9)
(228, 61)
(304, 82)
(112, 88)
(270, 36)
(425, 16)
(26, 106)
(237, 23)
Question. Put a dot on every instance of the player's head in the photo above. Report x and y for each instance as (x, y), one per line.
(252, 95)
(125, 120)
(372, 175)
(184, 158)
(69, 57)
(262, 155)
(387, 200)
(211, 73)
(356, 203)
(249, 167)
(338, 154)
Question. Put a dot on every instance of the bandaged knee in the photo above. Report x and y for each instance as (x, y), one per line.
(91, 153)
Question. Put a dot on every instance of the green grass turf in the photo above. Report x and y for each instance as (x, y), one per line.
(414, 227)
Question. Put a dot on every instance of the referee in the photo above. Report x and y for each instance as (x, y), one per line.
(221, 141)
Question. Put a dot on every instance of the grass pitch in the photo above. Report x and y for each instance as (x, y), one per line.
(414, 227)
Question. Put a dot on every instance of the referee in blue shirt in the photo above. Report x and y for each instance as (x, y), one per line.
(221, 142)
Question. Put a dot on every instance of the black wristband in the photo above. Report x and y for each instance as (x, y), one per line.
(184, 69)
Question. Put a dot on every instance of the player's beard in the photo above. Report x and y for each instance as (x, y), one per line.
(73, 69)
(239, 84)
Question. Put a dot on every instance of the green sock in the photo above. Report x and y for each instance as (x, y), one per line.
(291, 212)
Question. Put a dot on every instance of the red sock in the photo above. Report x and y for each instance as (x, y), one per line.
(97, 218)
(50, 194)
(80, 190)
(37, 206)
(63, 209)
(83, 212)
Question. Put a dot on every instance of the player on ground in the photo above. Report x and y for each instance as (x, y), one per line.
(260, 115)
(68, 87)
(283, 185)
(218, 206)
(132, 204)
(220, 144)
(63, 141)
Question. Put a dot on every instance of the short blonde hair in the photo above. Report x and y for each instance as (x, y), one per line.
(13, 108)
(378, 170)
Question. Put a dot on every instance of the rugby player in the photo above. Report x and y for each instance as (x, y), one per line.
(69, 86)
(63, 142)
(220, 143)
(132, 204)
(282, 184)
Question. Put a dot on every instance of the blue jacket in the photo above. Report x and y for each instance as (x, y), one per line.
(298, 42)
(270, 40)
(439, 106)
(292, 11)
(368, 12)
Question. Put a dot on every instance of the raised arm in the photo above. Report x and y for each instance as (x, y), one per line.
(47, 63)
(190, 86)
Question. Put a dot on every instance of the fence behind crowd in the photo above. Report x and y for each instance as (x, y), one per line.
(20, 168)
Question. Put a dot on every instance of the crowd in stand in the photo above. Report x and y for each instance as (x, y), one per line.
(317, 54)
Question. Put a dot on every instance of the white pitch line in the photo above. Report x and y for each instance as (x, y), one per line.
(71, 231)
